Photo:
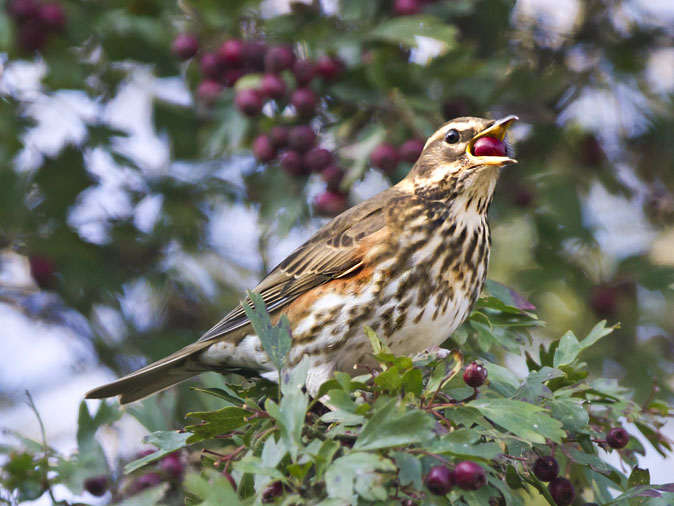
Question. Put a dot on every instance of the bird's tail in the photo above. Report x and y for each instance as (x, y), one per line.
(152, 378)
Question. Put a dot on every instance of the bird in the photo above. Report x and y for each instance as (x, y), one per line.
(409, 263)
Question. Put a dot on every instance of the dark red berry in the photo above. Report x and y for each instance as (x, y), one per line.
(32, 35)
(439, 480)
(231, 76)
(185, 46)
(42, 270)
(329, 68)
(604, 301)
(301, 138)
(22, 10)
(333, 175)
(231, 53)
(304, 71)
(304, 102)
(172, 465)
(279, 136)
(469, 475)
(209, 90)
(475, 375)
(211, 65)
(293, 163)
(52, 16)
(272, 491)
(546, 468)
(249, 102)
(406, 7)
(455, 108)
(489, 146)
(562, 491)
(144, 481)
(385, 157)
(97, 486)
(617, 438)
(273, 86)
(411, 150)
(279, 58)
(253, 55)
(592, 153)
(331, 203)
(522, 196)
(317, 159)
(263, 150)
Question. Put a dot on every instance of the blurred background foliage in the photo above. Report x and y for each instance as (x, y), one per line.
(140, 245)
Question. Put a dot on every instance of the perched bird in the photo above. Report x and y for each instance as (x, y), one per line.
(409, 262)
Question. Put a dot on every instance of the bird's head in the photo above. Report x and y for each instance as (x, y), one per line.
(455, 160)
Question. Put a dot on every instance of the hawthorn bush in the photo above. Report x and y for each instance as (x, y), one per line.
(288, 113)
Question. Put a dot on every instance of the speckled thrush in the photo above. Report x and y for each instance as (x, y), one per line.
(409, 262)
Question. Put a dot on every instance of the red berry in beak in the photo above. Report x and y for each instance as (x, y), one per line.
(489, 146)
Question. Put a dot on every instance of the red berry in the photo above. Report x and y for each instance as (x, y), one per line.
(562, 491)
(592, 153)
(475, 375)
(317, 159)
(333, 176)
(52, 16)
(489, 146)
(209, 90)
(406, 7)
(249, 102)
(330, 203)
(522, 196)
(604, 301)
(185, 46)
(469, 475)
(304, 102)
(253, 55)
(145, 481)
(279, 58)
(172, 465)
(301, 138)
(231, 76)
(385, 157)
(22, 10)
(546, 468)
(293, 163)
(263, 150)
(211, 65)
(42, 270)
(329, 68)
(272, 492)
(439, 480)
(304, 71)
(279, 136)
(617, 438)
(96, 486)
(411, 150)
(231, 53)
(273, 86)
(32, 35)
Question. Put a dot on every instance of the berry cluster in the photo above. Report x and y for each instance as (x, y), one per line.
(466, 475)
(386, 156)
(289, 84)
(36, 21)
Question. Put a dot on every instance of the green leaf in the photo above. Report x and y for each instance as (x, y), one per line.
(638, 477)
(149, 497)
(389, 380)
(165, 441)
(534, 389)
(571, 413)
(218, 422)
(364, 472)
(409, 469)
(525, 420)
(275, 339)
(569, 347)
(211, 488)
(412, 382)
(391, 425)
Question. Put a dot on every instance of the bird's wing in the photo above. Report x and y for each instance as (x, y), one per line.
(334, 251)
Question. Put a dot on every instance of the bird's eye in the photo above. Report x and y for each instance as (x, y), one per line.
(452, 137)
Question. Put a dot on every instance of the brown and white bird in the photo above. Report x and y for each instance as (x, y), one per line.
(409, 262)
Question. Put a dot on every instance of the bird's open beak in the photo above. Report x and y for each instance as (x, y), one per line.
(497, 130)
